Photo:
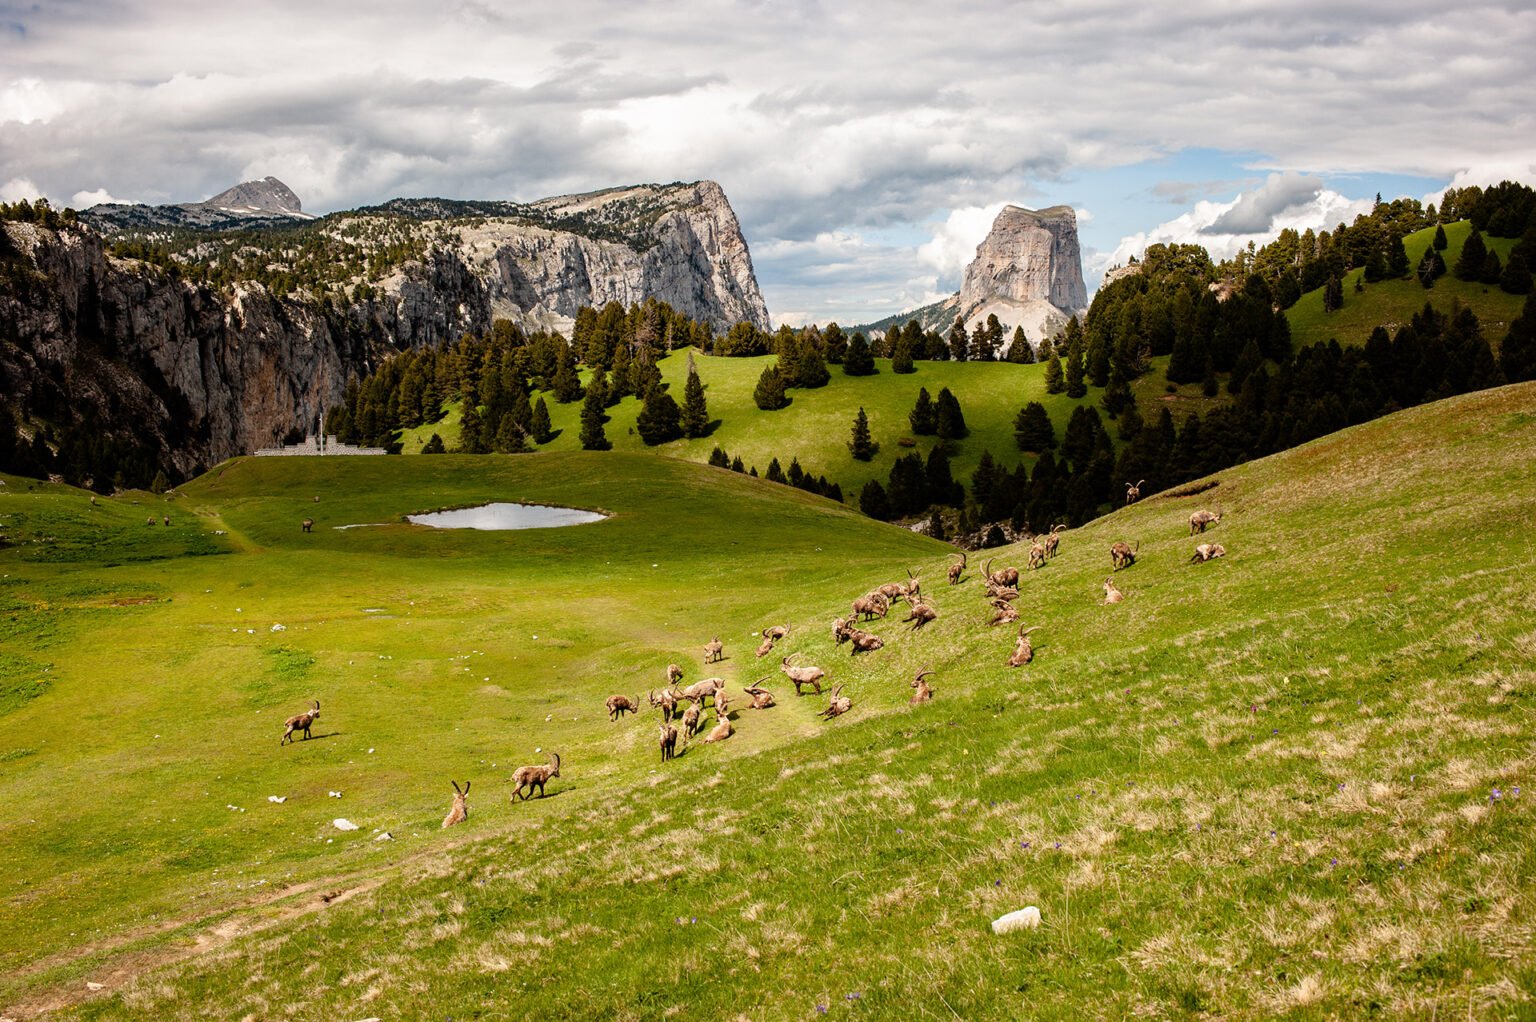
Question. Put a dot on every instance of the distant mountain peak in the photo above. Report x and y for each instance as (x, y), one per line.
(269, 195)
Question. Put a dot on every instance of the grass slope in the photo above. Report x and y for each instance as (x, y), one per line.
(1295, 781)
(1392, 303)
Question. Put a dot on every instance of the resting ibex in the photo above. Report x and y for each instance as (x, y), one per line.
(1112, 594)
(617, 705)
(702, 690)
(776, 632)
(720, 732)
(1003, 576)
(668, 741)
(913, 588)
(839, 705)
(666, 702)
(1208, 551)
(1036, 554)
(674, 674)
(842, 629)
(308, 524)
(1006, 614)
(871, 606)
(531, 777)
(1122, 556)
(764, 648)
(302, 722)
(1023, 651)
(956, 570)
(921, 614)
(1200, 519)
(864, 642)
(714, 650)
(802, 675)
(691, 717)
(761, 697)
(459, 812)
(1051, 540)
(997, 592)
(924, 691)
(1133, 491)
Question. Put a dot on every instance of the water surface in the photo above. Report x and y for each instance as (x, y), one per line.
(491, 517)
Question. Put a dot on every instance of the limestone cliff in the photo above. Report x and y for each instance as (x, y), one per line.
(1028, 272)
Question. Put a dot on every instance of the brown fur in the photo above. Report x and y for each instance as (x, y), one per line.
(1200, 520)
(1023, 650)
(691, 717)
(720, 732)
(871, 606)
(776, 632)
(1122, 556)
(1112, 593)
(668, 741)
(666, 702)
(307, 524)
(674, 674)
(802, 675)
(1002, 576)
(922, 613)
(764, 648)
(957, 570)
(761, 697)
(1006, 614)
(924, 691)
(531, 777)
(714, 651)
(459, 812)
(1133, 491)
(301, 722)
(1208, 552)
(839, 705)
(618, 705)
(702, 690)
(1051, 540)
(864, 642)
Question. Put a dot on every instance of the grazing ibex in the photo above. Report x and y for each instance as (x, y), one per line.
(871, 606)
(674, 674)
(691, 718)
(458, 812)
(924, 691)
(720, 732)
(864, 642)
(1122, 556)
(1003, 576)
(921, 614)
(1112, 593)
(1006, 614)
(1023, 651)
(802, 675)
(1051, 540)
(714, 650)
(842, 630)
(839, 705)
(308, 524)
(617, 705)
(668, 741)
(761, 697)
(666, 702)
(912, 589)
(957, 570)
(1201, 519)
(1208, 551)
(531, 777)
(302, 722)
(1133, 491)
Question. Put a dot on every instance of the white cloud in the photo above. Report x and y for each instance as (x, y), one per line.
(85, 200)
(18, 188)
(954, 240)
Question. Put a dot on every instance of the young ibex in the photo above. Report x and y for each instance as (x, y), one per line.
(1003, 576)
(674, 674)
(803, 675)
(1201, 519)
(531, 777)
(720, 732)
(924, 691)
(921, 614)
(864, 642)
(691, 718)
(722, 703)
(957, 570)
(302, 722)
(1208, 551)
(1122, 556)
(870, 606)
(1006, 614)
(459, 812)
(1112, 593)
(1051, 540)
(1023, 651)
(308, 524)
(666, 702)
(714, 650)
(1133, 491)
(668, 741)
(761, 697)
(618, 705)
(839, 705)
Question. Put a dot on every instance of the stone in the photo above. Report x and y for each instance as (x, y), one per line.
(341, 824)
(1027, 918)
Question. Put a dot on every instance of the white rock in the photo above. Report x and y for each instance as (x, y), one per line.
(1027, 918)
(386, 836)
(277, 798)
(94, 986)
(279, 628)
(341, 824)
(337, 794)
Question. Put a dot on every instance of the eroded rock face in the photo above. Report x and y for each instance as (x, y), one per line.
(1029, 255)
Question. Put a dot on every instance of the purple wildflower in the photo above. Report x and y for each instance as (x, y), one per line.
(1334, 862)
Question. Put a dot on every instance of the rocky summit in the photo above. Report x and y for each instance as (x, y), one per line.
(1028, 272)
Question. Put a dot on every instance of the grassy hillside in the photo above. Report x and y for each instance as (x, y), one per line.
(1392, 303)
(1294, 781)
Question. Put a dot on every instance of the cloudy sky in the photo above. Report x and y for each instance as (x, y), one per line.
(865, 146)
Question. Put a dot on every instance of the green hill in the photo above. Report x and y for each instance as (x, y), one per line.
(1392, 303)
(1287, 782)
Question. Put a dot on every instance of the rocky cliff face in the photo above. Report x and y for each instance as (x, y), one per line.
(1029, 255)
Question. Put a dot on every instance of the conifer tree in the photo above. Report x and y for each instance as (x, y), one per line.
(1493, 268)
(923, 417)
(718, 457)
(1517, 355)
(812, 372)
(510, 438)
(859, 360)
(1076, 385)
(592, 417)
(736, 465)
(775, 473)
(959, 341)
(660, 419)
(769, 393)
(434, 446)
(1516, 279)
(862, 446)
(901, 356)
(472, 438)
(1054, 381)
(873, 501)
(1440, 242)
(949, 420)
(1473, 254)
(836, 342)
(695, 416)
(1397, 257)
(942, 488)
(1019, 351)
(539, 426)
(1032, 429)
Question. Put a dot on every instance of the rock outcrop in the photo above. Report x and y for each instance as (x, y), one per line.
(250, 203)
(1028, 272)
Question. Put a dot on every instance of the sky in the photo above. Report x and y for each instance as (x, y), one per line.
(865, 146)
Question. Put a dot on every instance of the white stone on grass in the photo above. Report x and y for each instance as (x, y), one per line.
(1027, 918)
(341, 824)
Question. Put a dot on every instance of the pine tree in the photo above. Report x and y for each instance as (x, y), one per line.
(1054, 382)
(1333, 294)
(695, 416)
(1473, 254)
(510, 438)
(775, 473)
(942, 488)
(1517, 355)
(719, 458)
(736, 464)
(950, 421)
(1076, 385)
(936, 525)
(812, 372)
(1397, 257)
(1208, 385)
(873, 501)
(1516, 279)
(901, 356)
(836, 342)
(862, 446)
(1493, 268)
(660, 419)
(472, 438)
(959, 341)
(1032, 429)
(769, 393)
(539, 426)
(1019, 351)
(435, 446)
(859, 360)
(592, 436)
(923, 417)
(1440, 242)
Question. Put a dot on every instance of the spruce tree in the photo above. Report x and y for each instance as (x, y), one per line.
(435, 446)
(719, 458)
(660, 419)
(942, 488)
(510, 438)
(936, 525)
(959, 341)
(1516, 279)
(769, 393)
(1473, 254)
(1076, 385)
(775, 473)
(1333, 295)
(873, 501)
(1517, 355)
(836, 342)
(592, 436)
(1440, 242)
(923, 417)
(543, 431)
(1019, 351)
(1397, 258)
(1032, 429)
(695, 416)
(1054, 382)
(472, 438)
(859, 360)
(1493, 268)
(862, 446)
(901, 356)
(1208, 385)
(736, 464)
(950, 422)
(812, 371)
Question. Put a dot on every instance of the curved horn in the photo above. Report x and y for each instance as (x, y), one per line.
(921, 674)
(1140, 481)
(466, 787)
(317, 706)
(986, 569)
(1022, 633)
(1028, 630)
(556, 757)
(455, 785)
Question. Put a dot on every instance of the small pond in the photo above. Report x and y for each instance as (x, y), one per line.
(506, 516)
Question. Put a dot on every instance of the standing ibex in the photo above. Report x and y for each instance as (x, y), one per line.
(1036, 554)
(957, 570)
(912, 589)
(668, 741)
(307, 524)
(802, 675)
(531, 777)
(618, 705)
(1051, 540)
(1112, 593)
(666, 702)
(459, 812)
(1208, 551)
(1122, 556)
(1133, 491)
(702, 690)
(924, 691)
(674, 674)
(1200, 519)
(839, 705)
(1023, 651)
(714, 650)
(302, 722)
(1003, 576)
(691, 717)
(871, 606)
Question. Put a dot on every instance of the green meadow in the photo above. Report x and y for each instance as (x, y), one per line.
(1294, 781)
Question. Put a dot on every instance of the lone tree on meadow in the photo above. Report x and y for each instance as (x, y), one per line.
(923, 417)
(769, 392)
(660, 419)
(695, 417)
(539, 425)
(949, 420)
(862, 446)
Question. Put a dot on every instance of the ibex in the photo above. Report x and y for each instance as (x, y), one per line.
(1051, 540)
(722, 703)
(924, 691)
(1200, 519)
(839, 705)
(871, 606)
(459, 812)
(617, 705)
(702, 690)
(913, 588)
(802, 675)
(666, 702)
(997, 592)
(1023, 651)
(303, 722)
(691, 717)
(776, 632)
(720, 732)
(921, 614)
(1133, 491)
(761, 697)
(764, 648)
(668, 741)
(1112, 594)
(531, 777)
(1036, 555)
(714, 650)
(1122, 556)
(957, 570)
(842, 630)
(674, 674)
(1208, 551)
(892, 591)
(1006, 614)
(308, 524)
(864, 642)
(1003, 576)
